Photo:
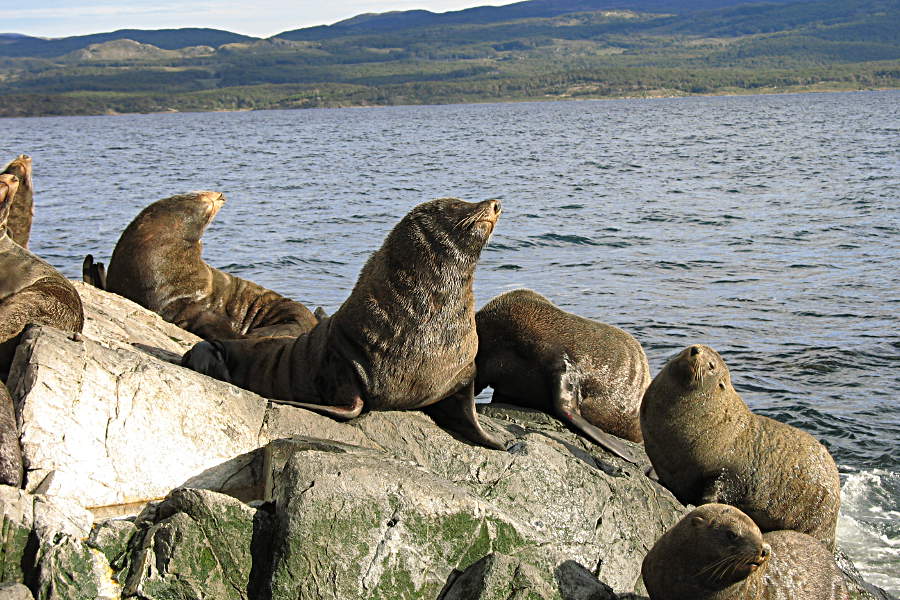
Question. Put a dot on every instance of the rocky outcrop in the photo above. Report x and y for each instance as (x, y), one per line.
(242, 499)
(125, 49)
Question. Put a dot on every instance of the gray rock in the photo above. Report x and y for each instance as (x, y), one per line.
(112, 319)
(403, 522)
(509, 578)
(43, 546)
(17, 516)
(14, 591)
(199, 544)
(113, 428)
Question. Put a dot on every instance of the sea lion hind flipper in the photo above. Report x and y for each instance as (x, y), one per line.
(607, 441)
(457, 413)
(93, 273)
(207, 359)
(344, 412)
(566, 390)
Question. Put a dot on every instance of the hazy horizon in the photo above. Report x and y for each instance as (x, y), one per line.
(65, 18)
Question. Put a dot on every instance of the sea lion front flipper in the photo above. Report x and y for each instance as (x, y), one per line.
(207, 359)
(566, 390)
(457, 413)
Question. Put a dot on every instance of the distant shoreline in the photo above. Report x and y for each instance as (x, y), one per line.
(648, 95)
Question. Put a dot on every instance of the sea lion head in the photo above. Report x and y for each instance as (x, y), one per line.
(9, 184)
(722, 544)
(699, 368)
(21, 168)
(451, 226)
(184, 216)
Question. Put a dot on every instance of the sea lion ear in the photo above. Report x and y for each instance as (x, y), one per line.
(698, 521)
(722, 384)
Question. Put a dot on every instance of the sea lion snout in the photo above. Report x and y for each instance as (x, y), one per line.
(10, 186)
(764, 553)
(213, 201)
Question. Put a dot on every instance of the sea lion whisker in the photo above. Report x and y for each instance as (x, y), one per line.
(717, 570)
(468, 221)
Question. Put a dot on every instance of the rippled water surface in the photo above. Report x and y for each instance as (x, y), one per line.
(767, 227)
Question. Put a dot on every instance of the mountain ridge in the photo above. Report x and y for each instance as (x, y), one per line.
(414, 57)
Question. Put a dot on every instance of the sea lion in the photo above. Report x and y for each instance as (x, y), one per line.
(31, 291)
(716, 552)
(21, 212)
(157, 263)
(404, 339)
(10, 451)
(706, 446)
(589, 374)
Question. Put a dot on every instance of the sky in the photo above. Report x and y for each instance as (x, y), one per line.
(258, 18)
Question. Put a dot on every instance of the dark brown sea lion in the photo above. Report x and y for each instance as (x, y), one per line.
(21, 212)
(589, 374)
(157, 263)
(31, 291)
(404, 339)
(706, 446)
(10, 451)
(716, 552)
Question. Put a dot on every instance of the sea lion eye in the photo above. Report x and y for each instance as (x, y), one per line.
(721, 384)
(712, 366)
(732, 536)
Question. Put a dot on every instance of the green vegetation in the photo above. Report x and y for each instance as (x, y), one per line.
(472, 56)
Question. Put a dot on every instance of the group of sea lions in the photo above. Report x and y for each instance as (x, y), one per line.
(31, 291)
(408, 337)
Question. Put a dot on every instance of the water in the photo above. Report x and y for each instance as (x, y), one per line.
(767, 227)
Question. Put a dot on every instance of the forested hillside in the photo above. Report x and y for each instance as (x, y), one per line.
(538, 49)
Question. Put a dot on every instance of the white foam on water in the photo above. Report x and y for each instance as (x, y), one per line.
(868, 529)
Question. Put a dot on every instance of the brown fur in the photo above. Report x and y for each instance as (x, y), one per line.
(157, 263)
(534, 354)
(716, 552)
(21, 211)
(706, 446)
(31, 291)
(404, 339)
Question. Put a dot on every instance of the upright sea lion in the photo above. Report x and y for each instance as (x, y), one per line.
(157, 263)
(589, 374)
(31, 291)
(716, 552)
(10, 451)
(706, 446)
(21, 212)
(404, 339)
